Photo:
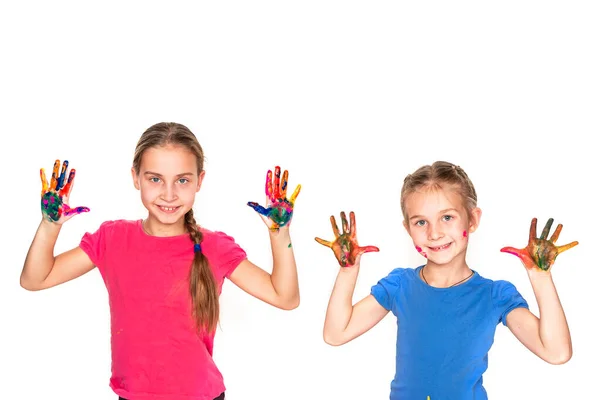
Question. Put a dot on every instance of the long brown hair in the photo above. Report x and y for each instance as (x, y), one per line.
(438, 175)
(203, 286)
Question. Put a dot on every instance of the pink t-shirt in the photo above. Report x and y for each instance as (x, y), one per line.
(156, 351)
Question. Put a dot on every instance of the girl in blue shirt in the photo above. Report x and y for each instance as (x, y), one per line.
(446, 312)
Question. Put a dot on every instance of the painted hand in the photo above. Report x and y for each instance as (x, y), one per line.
(540, 253)
(279, 210)
(345, 245)
(56, 196)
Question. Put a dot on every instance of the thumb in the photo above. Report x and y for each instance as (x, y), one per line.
(69, 212)
(511, 250)
(368, 249)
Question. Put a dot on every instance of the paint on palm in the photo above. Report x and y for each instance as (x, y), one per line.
(55, 194)
(345, 245)
(540, 252)
(279, 209)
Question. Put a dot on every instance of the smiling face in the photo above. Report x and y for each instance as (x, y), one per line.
(439, 224)
(168, 181)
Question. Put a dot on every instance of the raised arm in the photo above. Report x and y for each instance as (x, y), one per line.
(279, 288)
(548, 336)
(344, 321)
(42, 269)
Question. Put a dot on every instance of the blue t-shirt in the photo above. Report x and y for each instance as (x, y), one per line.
(444, 334)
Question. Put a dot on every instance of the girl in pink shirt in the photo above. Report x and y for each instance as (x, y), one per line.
(164, 274)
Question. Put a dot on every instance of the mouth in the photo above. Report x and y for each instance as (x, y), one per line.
(440, 248)
(168, 210)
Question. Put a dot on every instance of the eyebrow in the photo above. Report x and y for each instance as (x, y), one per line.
(157, 174)
(441, 212)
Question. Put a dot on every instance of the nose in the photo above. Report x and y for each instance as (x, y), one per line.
(169, 194)
(435, 232)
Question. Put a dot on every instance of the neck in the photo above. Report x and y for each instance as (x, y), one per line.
(155, 228)
(443, 276)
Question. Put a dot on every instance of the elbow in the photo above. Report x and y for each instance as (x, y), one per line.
(285, 302)
(28, 286)
(291, 304)
(332, 340)
(560, 359)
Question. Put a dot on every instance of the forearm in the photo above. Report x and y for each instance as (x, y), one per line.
(40, 257)
(554, 330)
(339, 309)
(285, 275)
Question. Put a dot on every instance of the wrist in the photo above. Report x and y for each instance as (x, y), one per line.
(538, 274)
(283, 231)
(49, 226)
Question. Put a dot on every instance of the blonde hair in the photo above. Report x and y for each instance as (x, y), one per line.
(439, 175)
(203, 286)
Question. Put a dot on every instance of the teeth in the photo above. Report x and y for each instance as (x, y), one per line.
(168, 208)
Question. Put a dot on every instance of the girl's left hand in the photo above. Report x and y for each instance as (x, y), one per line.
(279, 210)
(540, 253)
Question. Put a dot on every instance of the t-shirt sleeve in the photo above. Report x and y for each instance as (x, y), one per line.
(94, 244)
(385, 290)
(506, 298)
(228, 254)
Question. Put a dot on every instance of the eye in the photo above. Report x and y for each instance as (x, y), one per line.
(420, 223)
(154, 179)
(183, 180)
(447, 218)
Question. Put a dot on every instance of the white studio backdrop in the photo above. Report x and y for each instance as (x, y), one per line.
(350, 97)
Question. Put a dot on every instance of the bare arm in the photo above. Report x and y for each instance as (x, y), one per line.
(343, 321)
(280, 288)
(42, 269)
(548, 337)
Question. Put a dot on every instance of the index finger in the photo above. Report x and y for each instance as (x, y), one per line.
(63, 173)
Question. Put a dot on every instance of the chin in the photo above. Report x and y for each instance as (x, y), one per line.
(168, 219)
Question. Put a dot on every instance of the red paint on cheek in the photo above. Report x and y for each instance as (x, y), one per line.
(421, 252)
(465, 234)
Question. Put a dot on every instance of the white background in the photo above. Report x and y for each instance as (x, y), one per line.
(350, 97)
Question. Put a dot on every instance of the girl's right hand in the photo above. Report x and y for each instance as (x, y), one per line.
(345, 245)
(56, 195)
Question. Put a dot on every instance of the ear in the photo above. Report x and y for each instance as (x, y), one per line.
(134, 176)
(200, 179)
(475, 218)
(406, 226)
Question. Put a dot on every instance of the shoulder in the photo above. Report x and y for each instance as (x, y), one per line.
(118, 224)
(400, 273)
(505, 294)
(222, 251)
(215, 236)
(387, 288)
(397, 276)
(120, 227)
(218, 243)
(501, 286)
